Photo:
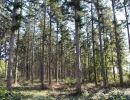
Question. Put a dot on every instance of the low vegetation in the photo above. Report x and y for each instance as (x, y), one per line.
(63, 91)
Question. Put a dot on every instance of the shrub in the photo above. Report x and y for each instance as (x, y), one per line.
(119, 96)
(69, 80)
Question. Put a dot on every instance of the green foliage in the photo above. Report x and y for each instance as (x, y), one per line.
(111, 79)
(126, 77)
(125, 2)
(118, 96)
(129, 76)
(2, 66)
(2, 83)
(9, 95)
(69, 80)
(2, 92)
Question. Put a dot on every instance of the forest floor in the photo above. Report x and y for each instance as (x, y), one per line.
(64, 91)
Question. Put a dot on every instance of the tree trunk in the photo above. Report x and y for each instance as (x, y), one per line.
(16, 65)
(106, 68)
(50, 54)
(78, 63)
(11, 45)
(94, 61)
(84, 67)
(32, 65)
(61, 73)
(25, 64)
(64, 68)
(101, 49)
(43, 39)
(10, 62)
(117, 45)
(28, 52)
(113, 67)
(16, 71)
(114, 75)
(56, 71)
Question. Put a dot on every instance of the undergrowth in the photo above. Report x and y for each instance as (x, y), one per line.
(64, 92)
(29, 95)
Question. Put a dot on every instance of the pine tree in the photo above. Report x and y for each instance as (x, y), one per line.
(14, 27)
(117, 45)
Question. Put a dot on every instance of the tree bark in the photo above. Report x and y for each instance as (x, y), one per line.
(114, 75)
(32, 65)
(43, 39)
(50, 54)
(78, 63)
(113, 67)
(94, 60)
(11, 45)
(61, 71)
(117, 45)
(101, 49)
(16, 65)
(56, 72)
(28, 52)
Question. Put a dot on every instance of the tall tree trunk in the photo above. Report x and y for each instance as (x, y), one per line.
(11, 45)
(101, 49)
(105, 53)
(25, 64)
(50, 52)
(78, 63)
(113, 67)
(106, 68)
(16, 64)
(112, 58)
(94, 61)
(89, 70)
(40, 59)
(10, 62)
(43, 39)
(32, 65)
(65, 70)
(84, 67)
(47, 64)
(56, 71)
(61, 55)
(28, 52)
(117, 45)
